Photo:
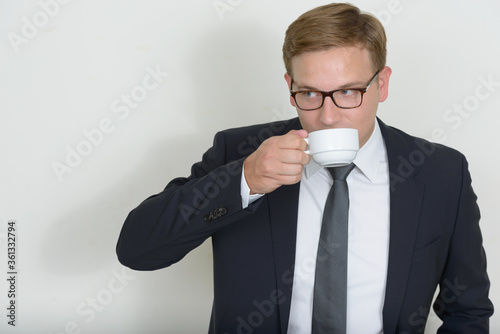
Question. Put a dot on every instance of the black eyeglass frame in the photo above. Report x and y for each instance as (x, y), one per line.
(330, 94)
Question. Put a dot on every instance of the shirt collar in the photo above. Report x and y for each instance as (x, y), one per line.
(367, 159)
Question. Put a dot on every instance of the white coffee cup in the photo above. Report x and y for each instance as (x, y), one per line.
(333, 147)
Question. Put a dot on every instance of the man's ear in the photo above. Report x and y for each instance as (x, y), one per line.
(383, 83)
(288, 80)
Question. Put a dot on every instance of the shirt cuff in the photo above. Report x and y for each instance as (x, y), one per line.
(246, 198)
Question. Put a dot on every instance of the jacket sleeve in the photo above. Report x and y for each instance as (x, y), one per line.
(166, 226)
(463, 302)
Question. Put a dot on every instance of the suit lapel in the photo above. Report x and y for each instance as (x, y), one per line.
(283, 207)
(404, 212)
(405, 205)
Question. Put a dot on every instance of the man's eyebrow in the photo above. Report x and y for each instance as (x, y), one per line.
(357, 84)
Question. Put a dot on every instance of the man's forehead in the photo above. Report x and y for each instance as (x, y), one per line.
(339, 57)
(336, 66)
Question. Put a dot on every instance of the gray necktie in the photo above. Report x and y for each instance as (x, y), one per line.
(330, 284)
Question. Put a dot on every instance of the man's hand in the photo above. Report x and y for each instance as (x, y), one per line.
(278, 161)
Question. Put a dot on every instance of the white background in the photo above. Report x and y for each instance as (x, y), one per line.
(62, 77)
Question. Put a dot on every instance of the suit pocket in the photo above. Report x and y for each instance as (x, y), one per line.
(427, 250)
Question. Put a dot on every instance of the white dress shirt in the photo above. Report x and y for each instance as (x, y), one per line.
(368, 244)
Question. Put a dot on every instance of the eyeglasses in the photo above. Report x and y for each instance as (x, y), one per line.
(345, 98)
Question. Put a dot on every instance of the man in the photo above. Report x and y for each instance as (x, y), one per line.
(413, 218)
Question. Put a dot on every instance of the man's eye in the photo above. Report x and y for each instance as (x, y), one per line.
(347, 92)
(311, 94)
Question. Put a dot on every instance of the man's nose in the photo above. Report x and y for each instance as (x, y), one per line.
(330, 113)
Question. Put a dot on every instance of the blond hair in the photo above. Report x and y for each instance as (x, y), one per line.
(335, 25)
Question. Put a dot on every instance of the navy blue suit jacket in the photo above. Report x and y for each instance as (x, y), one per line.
(435, 240)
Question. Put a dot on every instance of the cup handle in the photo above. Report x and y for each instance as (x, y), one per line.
(308, 151)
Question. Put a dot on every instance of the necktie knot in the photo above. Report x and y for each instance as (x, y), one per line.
(341, 173)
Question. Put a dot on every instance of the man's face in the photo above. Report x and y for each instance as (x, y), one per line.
(345, 67)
